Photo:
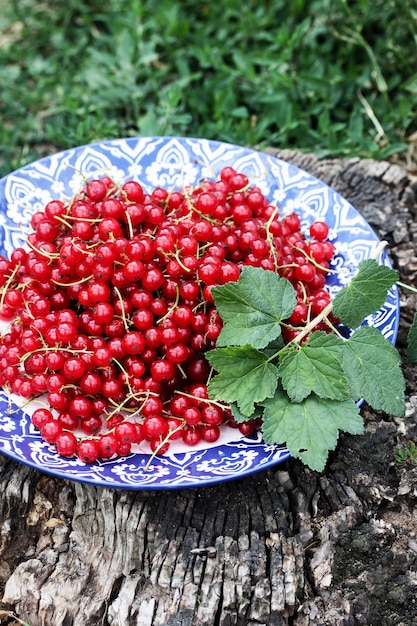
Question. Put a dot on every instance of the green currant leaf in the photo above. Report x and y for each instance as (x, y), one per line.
(310, 429)
(372, 366)
(244, 376)
(238, 415)
(313, 368)
(321, 339)
(365, 293)
(412, 341)
(274, 347)
(253, 307)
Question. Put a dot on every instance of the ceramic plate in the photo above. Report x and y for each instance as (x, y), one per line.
(172, 162)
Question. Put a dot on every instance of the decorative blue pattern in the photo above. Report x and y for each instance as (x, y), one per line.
(173, 162)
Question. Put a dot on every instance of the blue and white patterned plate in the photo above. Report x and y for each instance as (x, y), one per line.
(172, 162)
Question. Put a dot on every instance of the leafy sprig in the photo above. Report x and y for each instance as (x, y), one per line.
(307, 390)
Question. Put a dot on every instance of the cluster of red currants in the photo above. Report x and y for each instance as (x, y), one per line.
(110, 311)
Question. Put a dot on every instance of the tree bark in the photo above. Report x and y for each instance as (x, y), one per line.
(287, 546)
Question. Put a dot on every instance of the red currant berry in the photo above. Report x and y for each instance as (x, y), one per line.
(125, 432)
(88, 450)
(40, 417)
(66, 444)
(107, 446)
(191, 436)
(319, 230)
(50, 430)
(154, 427)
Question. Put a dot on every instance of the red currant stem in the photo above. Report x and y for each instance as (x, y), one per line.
(271, 219)
(123, 195)
(129, 396)
(182, 372)
(41, 252)
(91, 176)
(76, 282)
(210, 375)
(116, 189)
(127, 420)
(132, 412)
(176, 256)
(45, 345)
(191, 212)
(405, 286)
(28, 311)
(207, 166)
(200, 305)
(170, 192)
(313, 262)
(84, 251)
(6, 329)
(90, 245)
(83, 437)
(80, 173)
(131, 392)
(187, 196)
(64, 222)
(276, 354)
(208, 218)
(145, 396)
(47, 348)
(119, 406)
(328, 309)
(228, 220)
(129, 225)
(335, 330)
(270, 237)
(123, 312)
(221, 405)
(173, 307)
(70, 199)
(313, 323)
(69, 386)
(110, 415)
(240, 190)
(204, 246)
(286, 266)
(379, 249)
(90, 220)
(303, 289)
(165, 440)
(8, 284)
(10, 409)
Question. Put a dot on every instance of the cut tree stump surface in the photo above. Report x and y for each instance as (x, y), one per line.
(286, 546)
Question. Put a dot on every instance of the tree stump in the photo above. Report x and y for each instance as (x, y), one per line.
(287, 546)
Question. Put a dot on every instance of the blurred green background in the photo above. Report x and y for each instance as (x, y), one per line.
(336, 77)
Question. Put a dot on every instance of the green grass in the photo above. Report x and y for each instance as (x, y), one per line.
(336, 77)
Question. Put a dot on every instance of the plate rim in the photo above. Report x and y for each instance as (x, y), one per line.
(60, 155)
